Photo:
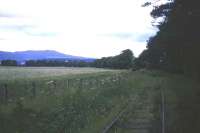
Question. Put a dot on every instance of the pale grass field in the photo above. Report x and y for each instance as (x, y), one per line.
(12, 73)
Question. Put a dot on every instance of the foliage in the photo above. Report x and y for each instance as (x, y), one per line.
(176, 46)
(9, 63)
(121, 61)
(87, 103)
(76, 104)
(70, 63)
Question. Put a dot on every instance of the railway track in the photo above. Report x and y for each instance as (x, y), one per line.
(141, 123)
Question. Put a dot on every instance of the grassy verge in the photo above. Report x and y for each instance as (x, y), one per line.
(182, 105)
(86, 103)
(76, 103)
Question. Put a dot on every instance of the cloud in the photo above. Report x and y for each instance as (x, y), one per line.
(6, 15)
(16, 27)
(119, 35)
(93, 28)
(135, 37)
(41, 34)
(143, 37)
(27, 30)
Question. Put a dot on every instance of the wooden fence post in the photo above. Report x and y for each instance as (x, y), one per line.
(67, 83)
(1, 94)
(71, 83)
(33, 89)
(6, 92)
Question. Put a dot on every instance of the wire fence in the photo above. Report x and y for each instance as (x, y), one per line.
(10, 92)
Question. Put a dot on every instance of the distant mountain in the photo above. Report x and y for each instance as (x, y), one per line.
(40, 55)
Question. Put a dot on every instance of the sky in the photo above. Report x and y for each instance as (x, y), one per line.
(90, 28)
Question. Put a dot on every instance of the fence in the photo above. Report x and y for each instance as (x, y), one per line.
(10, 92)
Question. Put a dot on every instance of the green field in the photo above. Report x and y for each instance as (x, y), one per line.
(12, 73)
(87, 100)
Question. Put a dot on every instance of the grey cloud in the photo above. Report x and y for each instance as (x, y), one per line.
(120, 35)
(25, 28)
(16, 27)
(142, 37)
(41, 34)
(138, 37)
(7, 15)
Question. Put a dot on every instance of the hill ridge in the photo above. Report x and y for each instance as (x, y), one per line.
(39, 55)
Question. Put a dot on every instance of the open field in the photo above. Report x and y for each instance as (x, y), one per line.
(87, 102)
(12, 73)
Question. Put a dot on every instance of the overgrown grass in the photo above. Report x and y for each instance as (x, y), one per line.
(182, 104)
(86, 103)
(75, 103)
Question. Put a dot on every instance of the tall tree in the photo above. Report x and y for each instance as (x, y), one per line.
(9, 63)
(121, 61)
(176, 46)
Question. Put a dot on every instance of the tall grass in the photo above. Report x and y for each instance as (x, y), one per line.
(86, 103)
(61, 104)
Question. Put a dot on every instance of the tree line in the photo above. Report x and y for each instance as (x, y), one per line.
(40, 63)
(176, 45)
(69, 63)
(9, 63)
(121, 61)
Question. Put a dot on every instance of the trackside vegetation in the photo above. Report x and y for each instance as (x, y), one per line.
(88, 102)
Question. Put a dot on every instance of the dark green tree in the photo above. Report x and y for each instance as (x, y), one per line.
(9, 63)
(125, 59)
(176, 45)
(121, 61)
